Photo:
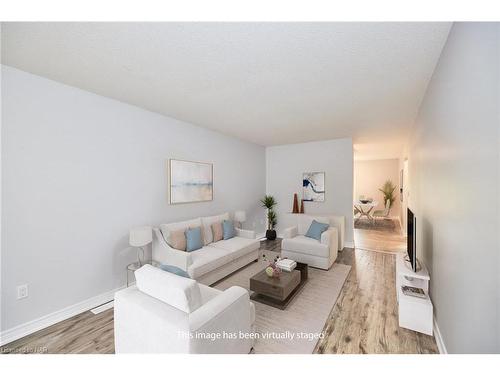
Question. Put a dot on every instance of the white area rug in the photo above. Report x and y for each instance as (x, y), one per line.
(296, 329)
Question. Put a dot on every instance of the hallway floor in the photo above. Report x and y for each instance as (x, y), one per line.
(384, 236)
(365, 317)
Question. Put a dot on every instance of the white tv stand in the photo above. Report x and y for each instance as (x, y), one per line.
(414, 313)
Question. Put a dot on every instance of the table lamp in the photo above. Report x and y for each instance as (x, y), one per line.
(140, 237)
(240, 217)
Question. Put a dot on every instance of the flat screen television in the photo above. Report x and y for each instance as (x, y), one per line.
(411, 246)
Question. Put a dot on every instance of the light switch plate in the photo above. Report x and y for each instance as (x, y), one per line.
(22, 291)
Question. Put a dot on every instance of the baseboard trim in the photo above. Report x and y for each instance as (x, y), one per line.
(349, 244)
(35, 325)
(439, 338)
(104, 307)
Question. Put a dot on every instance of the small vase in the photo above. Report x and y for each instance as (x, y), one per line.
(295, 209)
(301, 206)
(270, 271)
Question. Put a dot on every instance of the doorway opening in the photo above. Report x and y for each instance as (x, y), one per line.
(378, 205)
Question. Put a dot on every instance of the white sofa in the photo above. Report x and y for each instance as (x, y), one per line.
(166, 313)
(215, 260)
(319, 254)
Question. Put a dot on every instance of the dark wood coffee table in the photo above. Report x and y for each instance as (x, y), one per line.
(278, 292)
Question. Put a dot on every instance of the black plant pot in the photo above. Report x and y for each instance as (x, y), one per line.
(271, 234)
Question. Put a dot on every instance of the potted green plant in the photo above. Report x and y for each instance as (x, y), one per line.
(269, 202)
(388, 192)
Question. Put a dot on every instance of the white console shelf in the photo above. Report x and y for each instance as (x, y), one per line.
(414, 313)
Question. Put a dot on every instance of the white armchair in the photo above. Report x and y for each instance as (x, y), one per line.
(166, 313)
(319, 254)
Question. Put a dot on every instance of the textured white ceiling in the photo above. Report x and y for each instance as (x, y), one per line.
(378, 150)
(269, 83)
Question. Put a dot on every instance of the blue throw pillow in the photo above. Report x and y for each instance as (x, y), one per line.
(193, 239)
(175, 270)
(316, 229)
(227, 229)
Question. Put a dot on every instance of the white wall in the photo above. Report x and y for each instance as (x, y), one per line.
(370, 176)
(79, 170)
(285, 165)
(1, 200)
(403, 165)
(454, 177)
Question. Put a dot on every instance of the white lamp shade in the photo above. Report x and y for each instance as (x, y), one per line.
(140, 236)
(240, 216)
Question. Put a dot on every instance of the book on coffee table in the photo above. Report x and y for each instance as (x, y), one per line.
(287, 265)
(413, 292)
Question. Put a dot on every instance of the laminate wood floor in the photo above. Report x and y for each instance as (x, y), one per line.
(364, 319)
(384, 236)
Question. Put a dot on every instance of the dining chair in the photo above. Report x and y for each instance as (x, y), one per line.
(383, 213)
(356, 212)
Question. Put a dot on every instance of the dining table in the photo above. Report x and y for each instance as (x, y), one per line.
(365, 209)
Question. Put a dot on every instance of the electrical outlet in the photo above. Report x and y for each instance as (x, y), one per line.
(22, 291)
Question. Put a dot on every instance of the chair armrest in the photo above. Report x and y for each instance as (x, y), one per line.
(245, 233)
(164, 254)
(339, 223)
(228, 317)
(329, 236)
(291, 232)
(144, 324)
(222, 307)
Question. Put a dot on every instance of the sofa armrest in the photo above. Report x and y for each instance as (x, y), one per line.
(245, 233)
(164, 254)
(291, 232)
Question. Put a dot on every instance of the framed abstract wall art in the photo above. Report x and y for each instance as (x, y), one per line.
(313, 186)
(190, 181)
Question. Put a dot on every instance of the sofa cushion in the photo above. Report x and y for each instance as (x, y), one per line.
(176, 239)
(228, 229)
(217, 231)
(304, 222)
(193, 239)
(237, 246)
(179, 292)
(305, 245)
(207, 225)
(175, 270)
(181, 225)
(207, 259)
(316, 230)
